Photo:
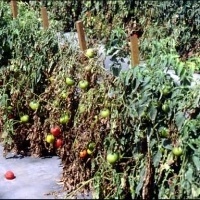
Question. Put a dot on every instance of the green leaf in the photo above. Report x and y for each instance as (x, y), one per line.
(157, 158)
(140, 184)
(179, 119)
(196, 161)
(153, 112)
(189, 175)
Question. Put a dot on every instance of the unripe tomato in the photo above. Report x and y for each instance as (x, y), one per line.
(165, 107)
(177, 151)
(69, 81)
(91, 146)
(105, 113)
(24, 118)
(84, 84)
(112, 158)
(89, 152)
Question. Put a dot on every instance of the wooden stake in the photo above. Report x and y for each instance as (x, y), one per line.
(134, 50)
(14, 8)
(81, 35)
(44, 15)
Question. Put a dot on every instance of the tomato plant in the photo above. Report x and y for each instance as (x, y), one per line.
(143, 111)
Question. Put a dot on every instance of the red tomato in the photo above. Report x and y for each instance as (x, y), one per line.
(9, 175)
(58, 143)
(55, 131)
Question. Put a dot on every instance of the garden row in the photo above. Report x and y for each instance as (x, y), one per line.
(134, 135)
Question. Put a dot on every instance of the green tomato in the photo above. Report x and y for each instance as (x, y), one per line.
(166, 90)
(90, 53)
(165, 107)
(91, 146)
(164, 132)
(112, 158)
(24, 118)
(34, 105)
(64, 119)
(105, 113)
(69, 81)
(83, 84)
(177, 151)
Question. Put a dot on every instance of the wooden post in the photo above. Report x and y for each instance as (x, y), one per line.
(134, 50)
(14, 8)
(44, 15)
(81, 35)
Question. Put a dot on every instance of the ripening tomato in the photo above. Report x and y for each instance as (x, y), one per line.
(89, 152)
(50, 138)
(83, 154)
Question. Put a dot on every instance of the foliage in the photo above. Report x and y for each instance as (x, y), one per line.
(33, 54)
(176, 19)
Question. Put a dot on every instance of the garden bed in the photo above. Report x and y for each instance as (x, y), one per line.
(132, 134)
